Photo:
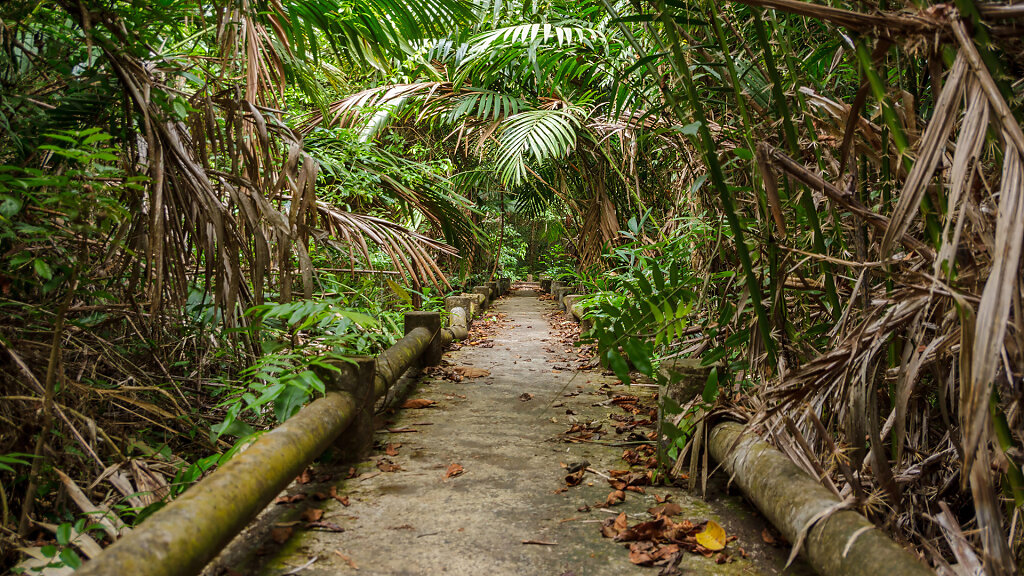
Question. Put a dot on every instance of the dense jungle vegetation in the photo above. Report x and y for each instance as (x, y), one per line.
(200, 201)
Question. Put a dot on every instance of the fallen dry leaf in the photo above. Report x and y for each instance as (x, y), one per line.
(453, 471)
(613, 527)
(386, 465)
(713, 536)
(668, 509)
(312, 514)
(575, 478)
(417, 403)
(281, 534)
(290, 499)
(614, 498)
(392, 449)
(473, 372)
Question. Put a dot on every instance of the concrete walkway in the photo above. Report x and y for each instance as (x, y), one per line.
(509, 510)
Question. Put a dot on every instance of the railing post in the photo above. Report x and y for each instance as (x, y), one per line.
(486, 293)
(495, 291)
(354, 376)
(431, 321)
(464, 302)
(545, 284)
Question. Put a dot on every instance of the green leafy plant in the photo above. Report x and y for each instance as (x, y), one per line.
(296, 338)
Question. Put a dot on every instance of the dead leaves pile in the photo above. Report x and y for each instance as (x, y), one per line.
(662, 541)
(484, 329)
(567, 332)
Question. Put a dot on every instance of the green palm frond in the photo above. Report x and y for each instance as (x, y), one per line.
(539, 134)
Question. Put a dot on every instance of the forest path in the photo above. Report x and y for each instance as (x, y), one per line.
(510, 510)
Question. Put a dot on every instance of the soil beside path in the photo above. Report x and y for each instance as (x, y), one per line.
(509, 510)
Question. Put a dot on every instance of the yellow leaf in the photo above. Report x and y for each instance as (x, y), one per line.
(712, 537)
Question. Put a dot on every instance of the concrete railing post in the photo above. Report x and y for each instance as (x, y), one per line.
(355, 378)
(485, 292)
(476, 304)
(560, 293)
(545, 284)
(464, 302)
(495, 290)
(431, 321)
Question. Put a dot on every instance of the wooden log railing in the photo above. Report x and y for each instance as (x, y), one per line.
(184, 536)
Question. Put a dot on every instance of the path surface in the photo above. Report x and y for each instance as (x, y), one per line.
(505, 430)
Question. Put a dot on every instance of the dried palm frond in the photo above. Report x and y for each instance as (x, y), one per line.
(409, 251)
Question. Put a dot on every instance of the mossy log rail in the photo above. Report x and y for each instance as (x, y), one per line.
(835, 541)
(182, 538)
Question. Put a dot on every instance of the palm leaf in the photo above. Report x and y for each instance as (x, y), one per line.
(539, 134)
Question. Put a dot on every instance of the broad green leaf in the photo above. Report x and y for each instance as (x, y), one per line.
(710, 393)
(42, 269)
(619, 366)
(639, 355)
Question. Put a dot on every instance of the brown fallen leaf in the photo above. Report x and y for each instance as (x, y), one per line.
(392, 449)
(281, 534)
(312, 514)
(417, 403)
(575, 478)
(614, 498)
(290, 499)
(453, 471)
(668, 509)
(306, 477)
(613, 527)
(769, 538)
(386, 465)
(473, 372)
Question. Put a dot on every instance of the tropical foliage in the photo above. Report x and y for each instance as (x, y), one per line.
(825, 201)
